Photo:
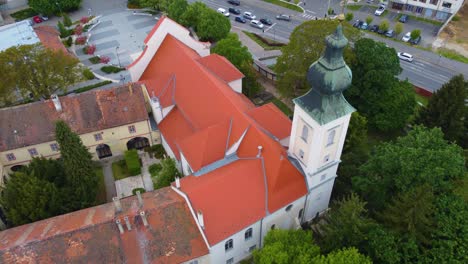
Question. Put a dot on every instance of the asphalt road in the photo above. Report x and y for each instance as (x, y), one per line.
(428, 70)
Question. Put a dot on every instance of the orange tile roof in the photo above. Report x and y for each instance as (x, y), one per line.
(91, 235)
(49, 37)
(221, 67)
(207, 103)
(86, 112)
(280, 126)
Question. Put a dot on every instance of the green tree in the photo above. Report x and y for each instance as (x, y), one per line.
(176, 9)
(369, 20)
(192, 15)
(50, 170)
(398, 28)
(26, 198)
(48, 7)
(160, 5)
(421, 157)
(342, 256)
(410, 213)
(447, 109)
(166, 175)
(78, 165)
(287, 246)
(67, 20)
(213, 26)
(376, 92)
(349, 16)
(38, 71)
(383, 246)
(348, 224)
(415, 33)
(305, 46)
(384, 25)
(355, 153)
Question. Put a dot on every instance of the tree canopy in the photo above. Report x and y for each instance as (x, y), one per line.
(166, 175)
(176, 9)
(48, 7)
(376, 92)
(37, 71)
(447, 109)
(306, 45)
(212, 26)
(78, 167)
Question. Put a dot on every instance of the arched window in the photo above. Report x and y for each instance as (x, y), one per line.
(248, 234)
(331, 137)
(229, 245)
(300, 214)
(305, 133)
(273, 226)
(289, 208)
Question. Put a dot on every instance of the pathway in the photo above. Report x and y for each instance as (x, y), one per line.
(109, 180)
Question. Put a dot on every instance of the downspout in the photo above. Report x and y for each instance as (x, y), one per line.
(261, 229)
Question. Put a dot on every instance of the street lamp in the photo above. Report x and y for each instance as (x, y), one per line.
(117, 53)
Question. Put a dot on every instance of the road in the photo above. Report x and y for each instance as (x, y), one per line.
(428, 70)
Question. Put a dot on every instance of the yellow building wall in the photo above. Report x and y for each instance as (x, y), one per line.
(116, 138)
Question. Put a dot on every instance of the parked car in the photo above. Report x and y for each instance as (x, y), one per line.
(256, 24)
(283, 17)
(234, 2)
(403, 18)
(223, 11)
(406, 37)
(390, 33)
(240, 19)
(415, 41)
(43, 17)
(374, 28)
(380, 10)
(37, 19)
(266, 21)
(234, 11)
(405, 56)
(358, 23)
(364, 26)
(249, 16)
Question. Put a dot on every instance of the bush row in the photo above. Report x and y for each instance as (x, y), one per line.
(133, 162)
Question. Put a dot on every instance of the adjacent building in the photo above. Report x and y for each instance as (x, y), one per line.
(246, 169)
(433, 9)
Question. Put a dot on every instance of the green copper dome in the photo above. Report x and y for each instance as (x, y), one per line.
(328, 77)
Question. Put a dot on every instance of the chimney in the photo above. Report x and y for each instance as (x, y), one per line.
(118, 206)
(120, 226)
(140, 200)
(127, 223)
(200, 219)
(259, 151)
(177, 182)
(143, 217)
(56, 101)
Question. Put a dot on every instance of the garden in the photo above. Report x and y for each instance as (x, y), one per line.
(129, 166)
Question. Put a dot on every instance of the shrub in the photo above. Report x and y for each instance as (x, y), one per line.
(64, 32)
(90, 87)
(95, 60)
(68, 42)
(158, 151)
(154, 169)
(142, 190)
(78, 30)
(133, 162)
(67, 20)
(86, 28)
(104, 59)
(111, 69)
(88, 74)
(90, 49)
(415, 33)
(349, 16)
(456, 18)
(81, 40)
(84, 20)
(23, 14)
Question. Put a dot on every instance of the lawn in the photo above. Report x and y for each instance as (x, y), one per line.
(264, 45)
(421, 99)
(353, 7)
(285, 4)
(282, 106)
(101, 195)
(119, 170)
(453, 55)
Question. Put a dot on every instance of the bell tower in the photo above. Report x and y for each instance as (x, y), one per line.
(321, 119)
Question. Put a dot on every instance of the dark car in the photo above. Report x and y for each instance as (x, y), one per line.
(381, 31)
(234, 2)
(234, 11)
(283, 17)
(403, 18)
(266, 21)
(374, 28)
(240, 19)
(415, 41)
(358, 23)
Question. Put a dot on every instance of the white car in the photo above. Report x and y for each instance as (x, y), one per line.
(405, 56)
(249, 16)
(406, 37)
(223, 11)
(380, 10)
(257, 24)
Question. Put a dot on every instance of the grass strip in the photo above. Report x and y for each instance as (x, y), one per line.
(285, 4)
(23, 14)
(90, 87)
(282, 106)
(452, 54)
(262, 43)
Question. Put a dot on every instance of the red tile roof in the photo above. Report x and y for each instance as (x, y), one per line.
(86, 112)
(221, 67)
(204, 104)
(50, 38)
(280, 126)
(91, 235)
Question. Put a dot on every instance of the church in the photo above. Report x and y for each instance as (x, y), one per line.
(246, 169)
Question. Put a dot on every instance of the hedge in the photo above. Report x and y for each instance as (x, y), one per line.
(133, 162)
(88, 74)
(90, 87)
(154, 169)
(111, 69)
(23, 14)
(95, 60)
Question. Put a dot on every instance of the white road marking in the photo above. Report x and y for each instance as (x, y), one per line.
(270, 27)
